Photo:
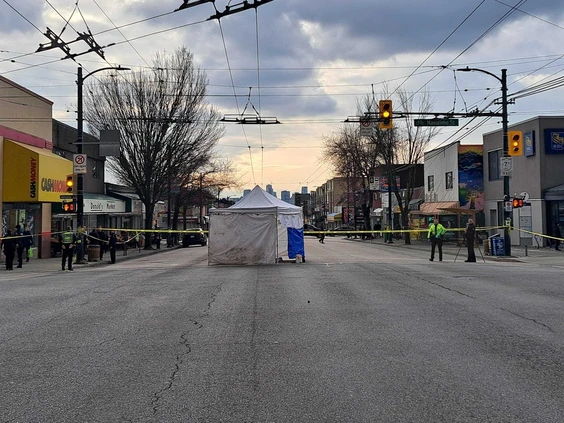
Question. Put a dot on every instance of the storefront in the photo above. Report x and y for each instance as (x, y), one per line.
(33, 179)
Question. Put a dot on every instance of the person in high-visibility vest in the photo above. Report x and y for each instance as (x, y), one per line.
(436, 234)
(67, 241)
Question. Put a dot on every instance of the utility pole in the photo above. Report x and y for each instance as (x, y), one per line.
(505, 123)
(79, 144)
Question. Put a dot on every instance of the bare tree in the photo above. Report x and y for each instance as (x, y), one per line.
(353, 155)
(167, 126)
(206, 182)
(399, 149)
(403, 148)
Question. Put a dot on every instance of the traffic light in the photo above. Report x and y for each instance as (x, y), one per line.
(69, 206)
(70, 183)
(517, 203)
(385, 114)
(515, 140)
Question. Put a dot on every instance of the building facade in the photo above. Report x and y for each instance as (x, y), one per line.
(32, 177)
(537, 175)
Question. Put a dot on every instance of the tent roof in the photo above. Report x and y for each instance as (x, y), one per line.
(260, 199)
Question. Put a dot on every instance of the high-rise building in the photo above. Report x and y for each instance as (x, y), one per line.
(269, 189)
(245, 192)
(285, 196)
(304, 190)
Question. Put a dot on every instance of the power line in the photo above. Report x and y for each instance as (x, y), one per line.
(28, 21)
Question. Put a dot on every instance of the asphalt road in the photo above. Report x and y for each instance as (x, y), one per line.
(358, 333)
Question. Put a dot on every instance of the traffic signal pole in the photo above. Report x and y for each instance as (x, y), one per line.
(505, 124)
(79, 144)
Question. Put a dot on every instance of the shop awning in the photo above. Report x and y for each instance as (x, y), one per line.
(33, 174)
(331, 217)
(414, 204)
(437, 208)
(377, 212)
(555, 193)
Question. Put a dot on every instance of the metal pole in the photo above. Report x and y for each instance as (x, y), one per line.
(79, 143)
(506, 214)
(79, 177)
(390, 176)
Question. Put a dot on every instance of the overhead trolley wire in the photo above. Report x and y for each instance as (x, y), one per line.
(235, 95)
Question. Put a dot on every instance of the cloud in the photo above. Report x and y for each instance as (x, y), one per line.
(314, 60)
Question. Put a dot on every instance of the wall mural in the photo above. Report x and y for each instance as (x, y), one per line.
(471, 177)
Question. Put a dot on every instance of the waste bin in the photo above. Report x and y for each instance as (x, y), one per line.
(498, 246)
(93, 252)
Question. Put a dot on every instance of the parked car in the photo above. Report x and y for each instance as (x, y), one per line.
(342, 228)
(310, 227)
(194, 237)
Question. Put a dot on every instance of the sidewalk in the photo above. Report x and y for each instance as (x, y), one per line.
(519, 254)
(54, 264)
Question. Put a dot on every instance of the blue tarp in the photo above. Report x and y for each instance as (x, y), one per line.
(295, 242)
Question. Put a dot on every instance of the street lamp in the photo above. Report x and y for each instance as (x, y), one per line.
(79, 143)
(505, 124)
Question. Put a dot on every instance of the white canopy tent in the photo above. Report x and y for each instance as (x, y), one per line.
(258, 229)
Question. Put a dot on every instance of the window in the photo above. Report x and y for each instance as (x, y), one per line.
(430, 183)
(448, 179)
(494, 158)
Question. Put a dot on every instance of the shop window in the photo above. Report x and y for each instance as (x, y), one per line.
(494, 159)
(448, 180)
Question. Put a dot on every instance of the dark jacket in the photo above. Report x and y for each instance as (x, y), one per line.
(27, 240)
(113, 241)
(556, 231)
(9, 244)
(470, 233)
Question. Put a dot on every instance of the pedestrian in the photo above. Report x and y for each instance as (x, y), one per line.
(68, 242)
(19, 244)
(470, 236)
(112, 247)
(322, 234)
(103, 241)
(378, 228)
(9, 247)
(27, 243)
(557, 234)
(435, 235)
(80, 243)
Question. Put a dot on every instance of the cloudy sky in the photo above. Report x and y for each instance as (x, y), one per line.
(305, 62)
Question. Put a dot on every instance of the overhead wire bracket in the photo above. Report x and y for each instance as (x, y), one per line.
(250, 119)
(187, 4)
(244, 5)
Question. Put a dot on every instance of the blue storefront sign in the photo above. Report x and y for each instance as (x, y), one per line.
(529, 141)
(554, 141)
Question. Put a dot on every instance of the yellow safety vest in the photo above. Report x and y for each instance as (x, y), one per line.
(67, 238)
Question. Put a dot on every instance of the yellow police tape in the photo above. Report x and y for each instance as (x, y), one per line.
(139, 232)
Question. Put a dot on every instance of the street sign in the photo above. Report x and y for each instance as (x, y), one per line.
(506, 166)
(435, 122)
(67, 196)
(79, 163)
(367, 126)
(508, 206)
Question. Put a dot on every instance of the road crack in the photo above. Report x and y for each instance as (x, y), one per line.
(528, 318)
(186, 349)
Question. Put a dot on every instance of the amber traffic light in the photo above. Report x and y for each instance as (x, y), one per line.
(515, 143)
(385, 114)
(70, 183)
